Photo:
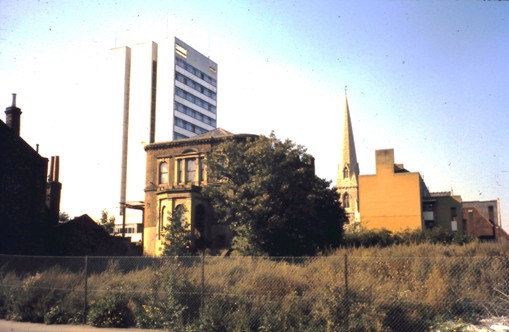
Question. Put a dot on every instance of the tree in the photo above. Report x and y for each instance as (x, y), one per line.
(107, 223)
(266, 191)
(63, 217)
(177, 234)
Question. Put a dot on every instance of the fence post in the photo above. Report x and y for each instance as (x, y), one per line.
(86, 291)
(346, 296)
(202, 302)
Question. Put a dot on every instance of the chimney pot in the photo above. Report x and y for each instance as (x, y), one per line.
(13, 116)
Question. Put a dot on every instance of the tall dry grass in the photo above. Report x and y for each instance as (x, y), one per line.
(396, 288)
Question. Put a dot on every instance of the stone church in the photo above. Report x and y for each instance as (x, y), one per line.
(348, 171)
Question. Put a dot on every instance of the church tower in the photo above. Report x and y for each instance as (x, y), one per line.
(348, 171)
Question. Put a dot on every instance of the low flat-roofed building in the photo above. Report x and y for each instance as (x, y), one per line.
(444, 210)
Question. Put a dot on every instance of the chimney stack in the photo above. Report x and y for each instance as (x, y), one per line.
(53, 190)
(13, 116)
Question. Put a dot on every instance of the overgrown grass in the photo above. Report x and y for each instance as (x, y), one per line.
(395, 288)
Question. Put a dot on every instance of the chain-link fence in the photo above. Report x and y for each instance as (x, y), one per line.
(334, 293)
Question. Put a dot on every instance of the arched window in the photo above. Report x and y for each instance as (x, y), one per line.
(346, 200)
(163, 173)
(162, 219)
(199, 226)
(345, 172)
(180, 213)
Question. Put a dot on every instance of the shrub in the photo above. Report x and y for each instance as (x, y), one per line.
(362, 237)
(224, 313)
(368, 238)
(164, 307)
(38, 293)
(8, 285)
(64, 314)
(113, 309)
(404, 317)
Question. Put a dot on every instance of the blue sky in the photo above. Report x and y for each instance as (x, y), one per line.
(427, 78)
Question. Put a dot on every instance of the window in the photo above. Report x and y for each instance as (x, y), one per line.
(190, 170)
(181, 51)
(195, 100)
(180, 210)
(195, 71)
(346, 200)
(195, 114)
(177, 136)
(345, 172)
(428, 207)
(454, 226)
(162, 219)
(453, 214)
(163, 173)
(189, 126)
(491, 214)
(180, 171)
(201, 175)
(194, 85)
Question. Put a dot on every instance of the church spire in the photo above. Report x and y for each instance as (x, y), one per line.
(348, 171)
(349, 155)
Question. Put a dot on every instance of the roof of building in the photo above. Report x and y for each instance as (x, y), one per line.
(218, 132)
(440, 194)
(213, 135)
(9, 137)
(399, 168)
(481, 202)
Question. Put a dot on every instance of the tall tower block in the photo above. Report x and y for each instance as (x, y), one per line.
(166, 91)
(348, 171)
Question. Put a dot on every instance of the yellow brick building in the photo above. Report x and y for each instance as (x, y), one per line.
(392, 198)
(176, 171)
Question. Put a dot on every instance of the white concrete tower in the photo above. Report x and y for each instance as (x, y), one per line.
(348, 171)
(166, 91)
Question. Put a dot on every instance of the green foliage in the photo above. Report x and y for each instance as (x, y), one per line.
(65, 314)
(166, 306)
(63, 217)
(368, 238)
(8, 294)
(266, 191)
(439, 235)
(33, 301)
(362, 237)
(36, 295)
(107, 223)
(113, 309)
(219, 315)
(177, 234)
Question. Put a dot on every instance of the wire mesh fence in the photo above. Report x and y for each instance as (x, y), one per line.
(334, 293)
